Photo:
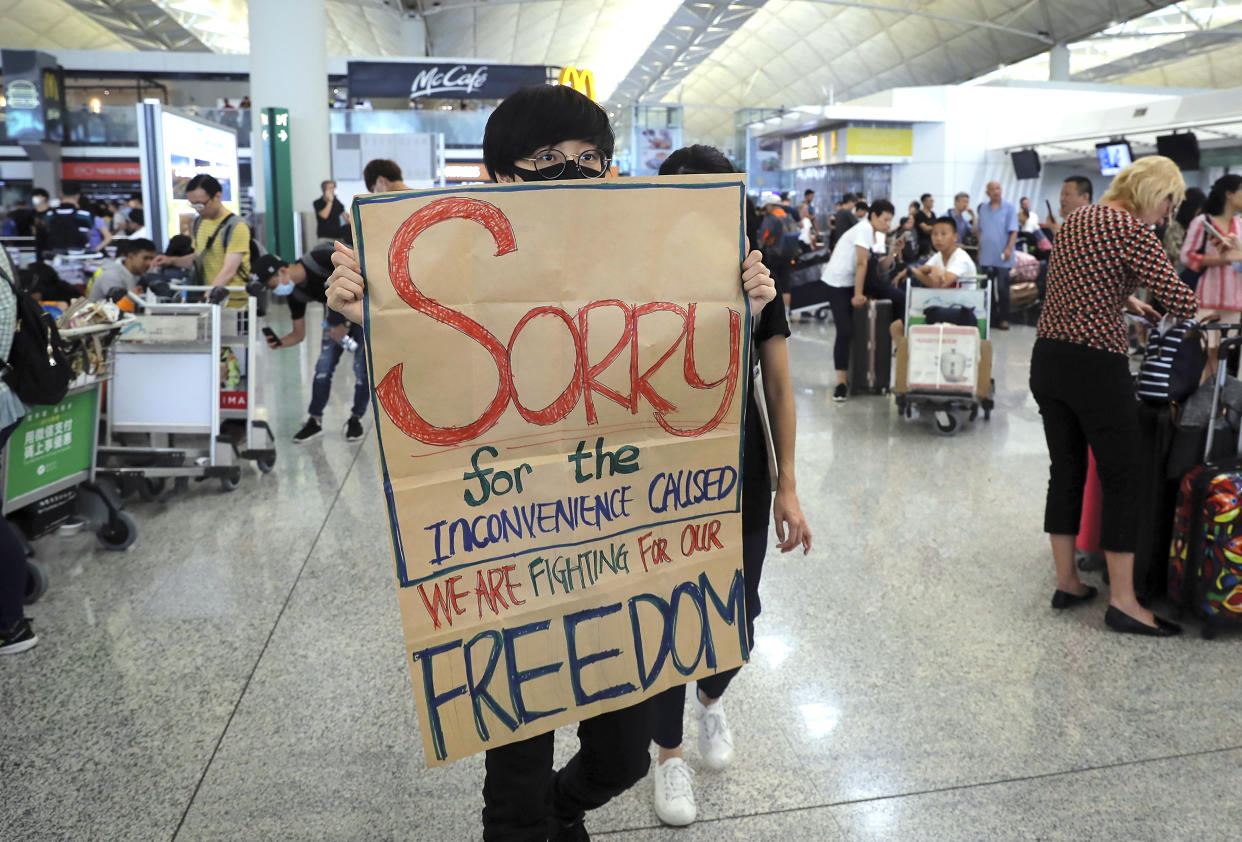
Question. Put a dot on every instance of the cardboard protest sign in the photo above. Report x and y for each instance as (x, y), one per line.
(560, 375)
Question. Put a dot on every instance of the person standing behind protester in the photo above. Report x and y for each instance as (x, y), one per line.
(224, 254)
(68, 227)
(847, 274)
(1210, 236)
(924, 219)
(964, 218)
(383, 176)
(539, 134)
(304, 281)
(16, 633)
(1080, 375)
(329, 214)
(1076, 192)
(674, 792)
(998, 231)
(778, 240)
(843, 219)
(1175, 230)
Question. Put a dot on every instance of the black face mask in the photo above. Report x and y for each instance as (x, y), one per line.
(572, 172)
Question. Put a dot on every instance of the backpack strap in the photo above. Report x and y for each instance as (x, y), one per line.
(226, 227)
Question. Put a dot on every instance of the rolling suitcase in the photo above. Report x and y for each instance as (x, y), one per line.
(1088, 540)
(1205, 555)
(871, 351)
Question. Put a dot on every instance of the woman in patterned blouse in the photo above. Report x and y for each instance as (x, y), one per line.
(1080, 374)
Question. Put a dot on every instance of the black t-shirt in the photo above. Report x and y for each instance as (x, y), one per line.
(920, 219)
(68, 227)
(330, 227)
(318, 265)
(23, 221)
(842, 221)
(771, 323)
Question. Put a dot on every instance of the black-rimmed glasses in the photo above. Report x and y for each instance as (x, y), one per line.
(550, 163)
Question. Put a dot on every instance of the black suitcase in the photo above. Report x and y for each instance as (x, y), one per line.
(871, 352)
(810, 297)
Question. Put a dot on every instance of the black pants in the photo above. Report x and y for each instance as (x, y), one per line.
(670, 705)
(1086, 397)
(840, 298)
(12, 565)
(520, 790)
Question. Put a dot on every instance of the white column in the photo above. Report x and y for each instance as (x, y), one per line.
(1059, 63)
(413, 35)
(289, 69)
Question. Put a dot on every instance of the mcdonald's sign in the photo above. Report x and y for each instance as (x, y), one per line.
(582, 81)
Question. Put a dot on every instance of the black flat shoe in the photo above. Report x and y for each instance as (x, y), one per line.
(1065, 599)
(1119, 621)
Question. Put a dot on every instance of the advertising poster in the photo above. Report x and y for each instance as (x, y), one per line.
(191, 147)
(652, 146)
(51, 444)
(560, 373)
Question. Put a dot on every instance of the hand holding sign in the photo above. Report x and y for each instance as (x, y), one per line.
(346, 286)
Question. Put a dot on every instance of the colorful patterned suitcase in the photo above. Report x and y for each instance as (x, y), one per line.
(1205, 556)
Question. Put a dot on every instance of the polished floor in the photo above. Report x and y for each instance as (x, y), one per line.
(238, 674)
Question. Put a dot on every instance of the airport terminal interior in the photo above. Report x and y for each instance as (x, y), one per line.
(218, 616)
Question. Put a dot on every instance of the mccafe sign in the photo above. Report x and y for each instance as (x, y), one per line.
(444, 79)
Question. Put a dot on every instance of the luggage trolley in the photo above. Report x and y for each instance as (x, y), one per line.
(940, 382)
(52, 456)
(183, 403)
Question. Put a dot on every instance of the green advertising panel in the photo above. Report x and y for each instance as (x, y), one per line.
(51, 443)
(278, 182)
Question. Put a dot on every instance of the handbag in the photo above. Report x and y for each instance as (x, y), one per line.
(1190, 277)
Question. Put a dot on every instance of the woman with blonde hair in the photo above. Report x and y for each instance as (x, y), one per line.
(1080, 375)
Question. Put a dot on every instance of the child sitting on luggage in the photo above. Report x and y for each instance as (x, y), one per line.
(949, 263)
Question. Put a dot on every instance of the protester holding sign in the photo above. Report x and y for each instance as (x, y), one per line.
(543, 134)
(674, 795)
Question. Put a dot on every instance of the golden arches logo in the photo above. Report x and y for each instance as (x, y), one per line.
(582, 81)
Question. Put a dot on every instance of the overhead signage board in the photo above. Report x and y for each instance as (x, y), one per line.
(442, 79)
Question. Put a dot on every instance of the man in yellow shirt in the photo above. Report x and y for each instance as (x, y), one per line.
(221, 239)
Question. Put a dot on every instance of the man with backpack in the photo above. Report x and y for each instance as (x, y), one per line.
(221, 239)
(778, 240)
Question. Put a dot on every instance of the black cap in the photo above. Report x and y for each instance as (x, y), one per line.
(265, 267)
(180, 246)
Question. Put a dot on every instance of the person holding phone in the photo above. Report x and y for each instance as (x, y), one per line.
(1210, 248)
(302, 282)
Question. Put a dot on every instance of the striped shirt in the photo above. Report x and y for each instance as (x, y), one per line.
(1099, 259)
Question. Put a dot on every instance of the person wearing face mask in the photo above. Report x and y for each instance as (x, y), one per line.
(540, 134)
(301, 283)
(1080, 376)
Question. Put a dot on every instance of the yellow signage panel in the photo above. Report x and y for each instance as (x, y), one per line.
(582, 81)
(891, 142)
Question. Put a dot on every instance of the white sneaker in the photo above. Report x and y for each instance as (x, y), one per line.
(715, 738)
(674, 792)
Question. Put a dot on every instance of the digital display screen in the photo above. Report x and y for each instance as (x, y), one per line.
(1114, 157)
(192, 147)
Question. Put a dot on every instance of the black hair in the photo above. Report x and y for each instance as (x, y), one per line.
(1191, 206)
(540, 116)
(699, 159)
(205, 182)
(808, 192)
(945, 220)
(1084, 186)
(380, 168)
(137, 217)
(848, 198)
(862, 206)
(39, 191)
(904, 220)
(140, 244)
(880, 207)
(925, 197)
(1215, 204)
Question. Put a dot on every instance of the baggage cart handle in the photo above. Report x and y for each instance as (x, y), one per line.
(1226, 344)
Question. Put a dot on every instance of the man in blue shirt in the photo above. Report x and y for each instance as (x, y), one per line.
(963, 216)
(998, 230)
